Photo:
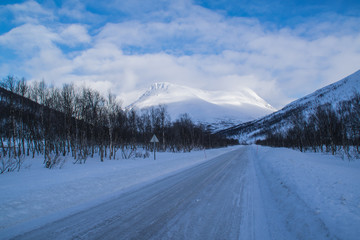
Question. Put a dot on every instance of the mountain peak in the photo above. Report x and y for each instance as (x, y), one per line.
(202, 105)
(160, 86)
(162, 93)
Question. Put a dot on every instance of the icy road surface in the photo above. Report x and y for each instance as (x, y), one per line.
(218, 199)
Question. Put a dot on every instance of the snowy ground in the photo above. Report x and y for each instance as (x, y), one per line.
(313, 190)
(36, 192)
(288, 194)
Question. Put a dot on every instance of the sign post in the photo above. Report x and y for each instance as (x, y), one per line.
(154, 140)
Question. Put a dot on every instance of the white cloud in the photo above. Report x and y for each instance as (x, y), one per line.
(76, 10)
(194, 30)
(39, 56)
(74, 34)
(27, 39)
(190, 45)
(30, 12)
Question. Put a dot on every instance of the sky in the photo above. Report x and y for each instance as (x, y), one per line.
(282, 50)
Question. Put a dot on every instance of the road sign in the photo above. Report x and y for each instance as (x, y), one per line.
(154, 140)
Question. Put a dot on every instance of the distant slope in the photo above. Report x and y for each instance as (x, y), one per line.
(205, 106)
(332, 94)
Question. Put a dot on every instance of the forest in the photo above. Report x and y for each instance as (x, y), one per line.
(328, 128)
(39, 120)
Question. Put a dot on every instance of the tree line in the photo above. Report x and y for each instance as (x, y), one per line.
(329, 128)
(37, 119)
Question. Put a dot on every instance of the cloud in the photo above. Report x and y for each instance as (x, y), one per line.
(30, 12)
(195, 30)
(74, 34)
(279, 64)
(182, 43)
(76, 10)
(27, 39)
(38, 54)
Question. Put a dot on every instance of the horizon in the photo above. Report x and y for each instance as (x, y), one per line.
(282, 51)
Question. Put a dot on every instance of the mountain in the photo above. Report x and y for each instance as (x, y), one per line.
(214, 107)
(333, 94)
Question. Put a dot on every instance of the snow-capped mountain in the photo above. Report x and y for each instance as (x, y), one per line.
(333, 94)
(205, 106)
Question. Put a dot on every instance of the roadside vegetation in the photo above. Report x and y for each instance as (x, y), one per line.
(37, 119)
(328, 129)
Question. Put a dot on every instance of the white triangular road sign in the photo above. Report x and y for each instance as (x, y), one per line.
(154, 139)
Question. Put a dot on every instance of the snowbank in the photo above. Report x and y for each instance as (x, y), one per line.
(317, 189)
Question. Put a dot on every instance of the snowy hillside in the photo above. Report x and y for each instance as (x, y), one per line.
(334, 93)
(205, 106)
(342, 90)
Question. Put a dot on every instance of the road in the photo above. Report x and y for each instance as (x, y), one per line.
(203, 202)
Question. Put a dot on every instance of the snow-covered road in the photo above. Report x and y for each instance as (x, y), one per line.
(203, 202)
(247, 193)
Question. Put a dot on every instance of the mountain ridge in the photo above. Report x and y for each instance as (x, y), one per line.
(204, 106)
(333, 94)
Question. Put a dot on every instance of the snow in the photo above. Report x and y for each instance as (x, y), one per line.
(287, 194)
(342, 90)
(36, 192)
(321, 190)
(204, 106)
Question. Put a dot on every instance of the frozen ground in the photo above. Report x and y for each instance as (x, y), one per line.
(309, 192)
(280, 194)
(36, 192)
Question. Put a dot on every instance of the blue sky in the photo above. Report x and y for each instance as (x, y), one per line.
(280, 49)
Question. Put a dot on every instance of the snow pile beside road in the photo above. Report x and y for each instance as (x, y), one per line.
(35, 192)
(319, 190)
